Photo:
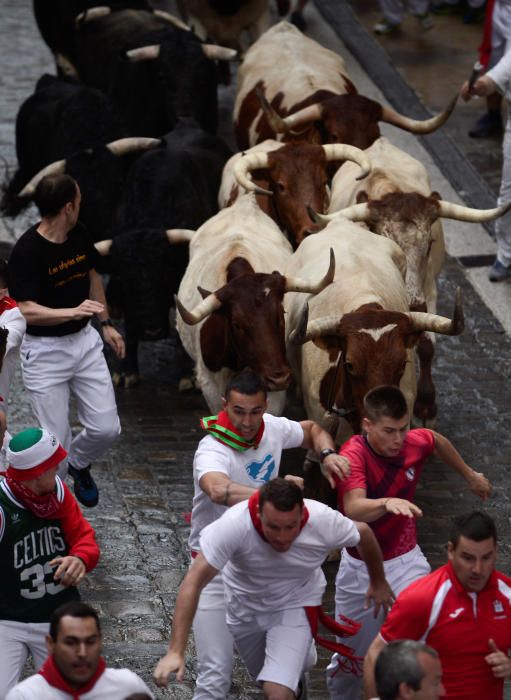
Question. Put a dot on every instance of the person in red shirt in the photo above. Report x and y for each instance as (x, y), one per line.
(462, 610)
(385, 463)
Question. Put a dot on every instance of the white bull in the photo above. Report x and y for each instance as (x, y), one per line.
(361, 329)
(240, 323)
(396, 201)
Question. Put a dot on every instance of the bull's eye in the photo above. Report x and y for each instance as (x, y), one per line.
(282, 188)
(334, 138)
(349, 367)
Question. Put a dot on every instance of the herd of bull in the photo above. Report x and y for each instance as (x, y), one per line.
(321, 263)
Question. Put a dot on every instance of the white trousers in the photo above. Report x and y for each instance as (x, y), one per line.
(351, 584)
(17, 640)
(503, 225)
(277, 646)
(54, 367)
(214, 644)
(394, 10)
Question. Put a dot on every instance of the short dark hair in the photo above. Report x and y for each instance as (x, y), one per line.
(398, 663)
(138, 696)
(246, 382)
(75, 608)
(476, 526)
(53, 192)
(282, 494)
(385, 401)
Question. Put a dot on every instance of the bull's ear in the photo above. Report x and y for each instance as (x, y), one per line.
(412, 338)
(327, 342)
(362, 197)
(203, 292)
(214, 342)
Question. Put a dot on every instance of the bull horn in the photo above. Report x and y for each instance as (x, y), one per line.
(219, 53)
(341, 151)
(103, 247)
(203, 309)
(93, 13)
(416, 126)
(55, 168)
(247, 163)
(65, 65)
(295, 284)
(144, 53)
(281, 125)
(440, 324)
(457, 211)
(309, 330)
(357, 212)
(131, 144)
(171, 19)
(179, 235)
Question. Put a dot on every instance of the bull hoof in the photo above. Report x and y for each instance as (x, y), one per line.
(131, 380)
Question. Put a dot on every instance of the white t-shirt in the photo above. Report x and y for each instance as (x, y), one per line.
(114, 684)
(257, 578)
(253, 467)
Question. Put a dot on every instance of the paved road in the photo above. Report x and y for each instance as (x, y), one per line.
(145, 481)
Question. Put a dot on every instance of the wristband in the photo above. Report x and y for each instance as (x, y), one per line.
(106, 322)
(324, 454)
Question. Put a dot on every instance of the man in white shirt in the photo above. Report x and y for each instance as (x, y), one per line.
(270, 550)
(241, 452)
(75, 668)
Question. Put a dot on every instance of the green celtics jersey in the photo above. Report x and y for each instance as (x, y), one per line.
(27, 545)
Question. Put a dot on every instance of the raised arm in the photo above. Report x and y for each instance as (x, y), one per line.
(198, 576)
(477, 482)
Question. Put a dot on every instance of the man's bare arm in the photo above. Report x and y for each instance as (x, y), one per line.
(37, 315)
(222, 490)
(379, 593)
(198, 576)
(358, 507)
(369, 664)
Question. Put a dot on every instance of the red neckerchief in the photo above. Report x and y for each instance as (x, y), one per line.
(253, 509)
(53, 677)
(7, 303)
(221, 428)
(315, 613)
(46, 506)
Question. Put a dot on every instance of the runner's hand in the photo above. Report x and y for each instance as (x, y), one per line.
(379, 595)
(172, 662)
(70, 570)
(335, 466)
(400, 506)
(499, 661)
(87, 309)
(479, 485)
(295, 480)
(115, 340)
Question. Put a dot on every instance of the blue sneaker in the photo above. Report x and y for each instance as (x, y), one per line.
(86, 490)
(498, 272)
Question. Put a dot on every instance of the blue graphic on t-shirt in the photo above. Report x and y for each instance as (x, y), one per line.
(261, 471)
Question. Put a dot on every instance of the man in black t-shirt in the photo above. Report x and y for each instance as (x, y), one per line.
(52, 276)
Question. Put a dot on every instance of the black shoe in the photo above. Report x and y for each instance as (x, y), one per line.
(490, 124)
(86, 490)
(447, 8)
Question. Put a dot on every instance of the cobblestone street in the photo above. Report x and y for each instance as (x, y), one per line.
(145, 480)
